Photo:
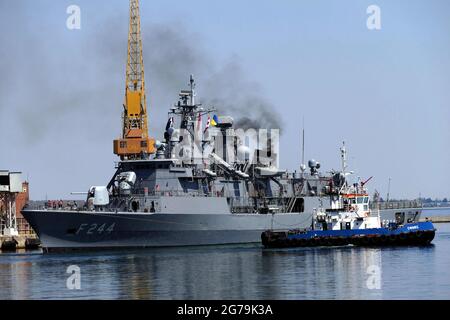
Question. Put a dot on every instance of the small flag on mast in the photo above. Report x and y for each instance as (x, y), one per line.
(214, 121)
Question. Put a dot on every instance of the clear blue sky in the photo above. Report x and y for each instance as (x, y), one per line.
(386, 93)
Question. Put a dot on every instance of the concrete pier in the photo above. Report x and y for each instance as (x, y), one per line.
(20, 239)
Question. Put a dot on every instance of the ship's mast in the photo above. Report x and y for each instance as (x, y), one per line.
(192, 85)
(344, 165)
(344, 158)
(134, 143)
(302, 165)
(189, 113)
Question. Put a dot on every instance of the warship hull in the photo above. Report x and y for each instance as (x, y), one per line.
(61, 230)
(83, 230)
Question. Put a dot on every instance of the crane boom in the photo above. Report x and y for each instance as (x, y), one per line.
(134, 143)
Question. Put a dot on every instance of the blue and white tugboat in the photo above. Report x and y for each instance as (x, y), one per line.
(350, 221)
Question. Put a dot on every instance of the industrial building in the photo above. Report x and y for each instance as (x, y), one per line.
(14, 195)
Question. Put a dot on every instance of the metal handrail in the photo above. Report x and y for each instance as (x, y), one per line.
(404, 204)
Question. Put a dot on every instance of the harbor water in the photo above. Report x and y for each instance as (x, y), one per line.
(233, 272)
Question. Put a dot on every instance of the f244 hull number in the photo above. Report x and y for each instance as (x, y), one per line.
(95, 228)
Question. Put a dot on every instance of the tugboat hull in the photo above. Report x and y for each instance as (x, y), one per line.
(420, 233)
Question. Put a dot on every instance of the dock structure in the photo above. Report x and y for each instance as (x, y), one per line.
(15, 232)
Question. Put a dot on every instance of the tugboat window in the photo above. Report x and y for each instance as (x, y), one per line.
(400, 217)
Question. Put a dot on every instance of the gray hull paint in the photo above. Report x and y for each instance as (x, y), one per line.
(77, 230)
(92, 230)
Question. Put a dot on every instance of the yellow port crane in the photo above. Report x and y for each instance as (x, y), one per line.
(134, 143)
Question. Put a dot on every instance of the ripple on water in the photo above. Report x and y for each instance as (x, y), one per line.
(235, 272)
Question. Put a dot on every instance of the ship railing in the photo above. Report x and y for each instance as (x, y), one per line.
(241, 205)
(247, 205)
(54, 205)
(404, 204)
(177, 193)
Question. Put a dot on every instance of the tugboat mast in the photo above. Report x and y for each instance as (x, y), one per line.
(344, 158)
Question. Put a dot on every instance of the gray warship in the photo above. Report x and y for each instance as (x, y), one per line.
(200, 184)
(172, 198)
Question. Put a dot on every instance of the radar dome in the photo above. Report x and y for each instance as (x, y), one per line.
(312, 163)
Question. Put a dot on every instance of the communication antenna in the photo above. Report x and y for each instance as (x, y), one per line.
(389, 190)
(192, 85)
(303, 166)
(303, 142)
(344, 158)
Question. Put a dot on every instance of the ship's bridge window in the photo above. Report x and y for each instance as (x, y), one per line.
(359, 200)
(143, 166)
(366, 199)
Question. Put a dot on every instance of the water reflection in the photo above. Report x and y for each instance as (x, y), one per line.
(235, 272)
(328, 273)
